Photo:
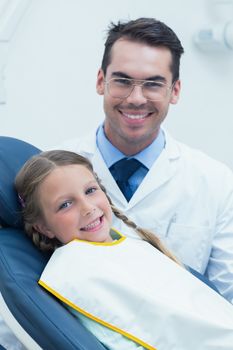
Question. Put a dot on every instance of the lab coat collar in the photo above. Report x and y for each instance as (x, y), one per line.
(171, 146)
(161, 171)
(87, 144)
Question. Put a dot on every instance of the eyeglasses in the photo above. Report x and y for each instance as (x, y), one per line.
(151, 90)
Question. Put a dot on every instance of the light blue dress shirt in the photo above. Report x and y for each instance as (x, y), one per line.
(147, 156)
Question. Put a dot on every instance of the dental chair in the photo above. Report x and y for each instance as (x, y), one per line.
(36, 318)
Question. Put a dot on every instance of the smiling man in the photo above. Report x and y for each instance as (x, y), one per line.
(137, 88)
(180, 193)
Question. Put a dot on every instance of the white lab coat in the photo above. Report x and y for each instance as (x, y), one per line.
(186, 199)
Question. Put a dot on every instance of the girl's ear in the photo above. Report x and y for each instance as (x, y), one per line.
(43, 229)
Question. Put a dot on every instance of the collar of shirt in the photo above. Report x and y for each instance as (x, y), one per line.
(111, 154)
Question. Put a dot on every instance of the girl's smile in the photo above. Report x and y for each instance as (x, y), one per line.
(74, 206)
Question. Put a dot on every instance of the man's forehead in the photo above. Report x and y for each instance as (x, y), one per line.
(139, 60)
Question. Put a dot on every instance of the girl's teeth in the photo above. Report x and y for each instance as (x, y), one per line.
(92, 225)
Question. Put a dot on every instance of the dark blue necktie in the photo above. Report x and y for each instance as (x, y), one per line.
(122, 171)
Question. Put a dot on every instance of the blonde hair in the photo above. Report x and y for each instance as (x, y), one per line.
(27, 183)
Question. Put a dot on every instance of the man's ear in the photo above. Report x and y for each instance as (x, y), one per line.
(43, 229)
(175, 92)
(100, 82)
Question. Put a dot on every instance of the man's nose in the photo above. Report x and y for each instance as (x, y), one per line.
(136, 96)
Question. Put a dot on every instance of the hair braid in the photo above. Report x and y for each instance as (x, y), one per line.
(40, 240)
(145, 234)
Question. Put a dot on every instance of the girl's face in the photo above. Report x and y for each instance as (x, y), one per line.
(74, 206)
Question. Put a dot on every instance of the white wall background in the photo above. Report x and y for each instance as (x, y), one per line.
(52, 59)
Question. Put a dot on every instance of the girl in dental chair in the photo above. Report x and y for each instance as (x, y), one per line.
(130, 292)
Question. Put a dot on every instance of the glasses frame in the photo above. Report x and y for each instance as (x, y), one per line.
(138, 82)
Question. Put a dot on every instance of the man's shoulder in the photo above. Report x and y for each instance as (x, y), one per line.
(85, 144)
(197, 160)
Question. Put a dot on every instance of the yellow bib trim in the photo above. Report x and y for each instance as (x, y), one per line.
(87, 314)
(115, 242)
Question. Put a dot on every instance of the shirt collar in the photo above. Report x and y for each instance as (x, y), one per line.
(111, 154)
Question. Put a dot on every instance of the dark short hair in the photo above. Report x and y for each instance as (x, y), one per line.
(148, 31)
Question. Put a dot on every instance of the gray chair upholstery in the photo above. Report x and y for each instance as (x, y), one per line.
(21, 263)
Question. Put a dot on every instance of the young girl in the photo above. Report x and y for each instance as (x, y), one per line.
(131, 293)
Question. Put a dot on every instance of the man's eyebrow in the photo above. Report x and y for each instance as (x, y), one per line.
(121, 75)
(153, 78)
(157, 78)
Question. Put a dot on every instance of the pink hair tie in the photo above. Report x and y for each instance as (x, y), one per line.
(21, 200)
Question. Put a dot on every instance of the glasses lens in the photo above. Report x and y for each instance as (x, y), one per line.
(120, 87)
(154, 91)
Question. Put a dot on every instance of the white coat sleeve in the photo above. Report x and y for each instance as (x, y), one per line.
(220, 267)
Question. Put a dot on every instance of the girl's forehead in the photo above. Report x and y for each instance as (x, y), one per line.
(68, 174)
(65, 180)
(72, 168)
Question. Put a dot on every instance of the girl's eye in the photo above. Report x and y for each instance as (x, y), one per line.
(91, 190)
(65, 205)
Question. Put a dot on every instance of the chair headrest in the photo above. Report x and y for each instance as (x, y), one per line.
(13, 154)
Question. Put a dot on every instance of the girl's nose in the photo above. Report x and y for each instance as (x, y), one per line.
(87, 209)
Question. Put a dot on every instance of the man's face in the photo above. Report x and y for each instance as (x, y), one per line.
(132, 123)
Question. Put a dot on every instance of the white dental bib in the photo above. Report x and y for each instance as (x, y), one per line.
(132, 288)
